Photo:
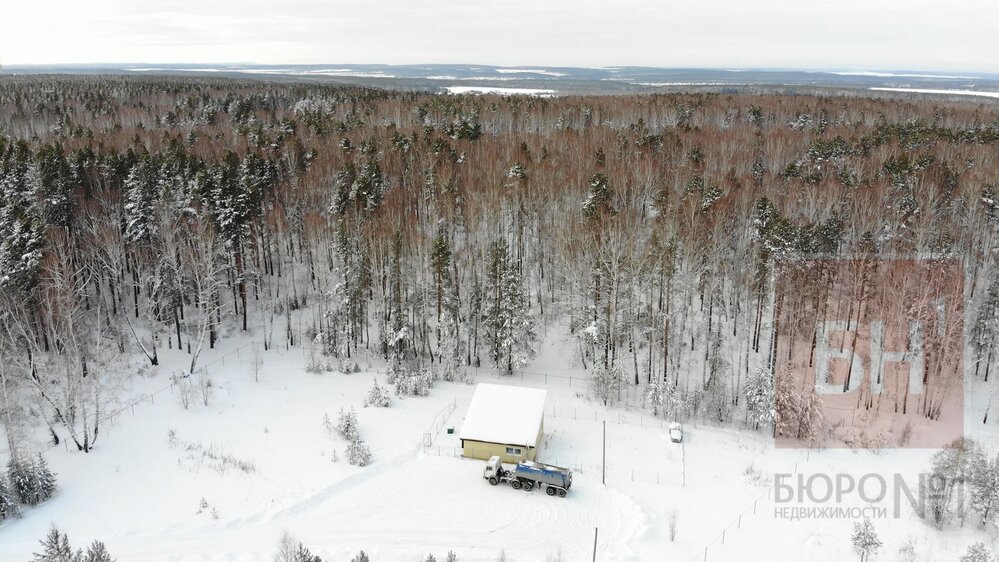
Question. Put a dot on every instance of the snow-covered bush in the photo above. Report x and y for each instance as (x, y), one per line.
(206, 388)
(346, 424)
(977, 553)
(291, 550)
(361, 557)
(377, 396)
(672, 518)
(185, 389)
(416, 384)
(314, 365)
(605, 382)
(907, 552)
(8, 501)
(30, 480)
(358, 453)
(865, 540)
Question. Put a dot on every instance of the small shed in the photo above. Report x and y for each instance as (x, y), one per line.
(506, 421)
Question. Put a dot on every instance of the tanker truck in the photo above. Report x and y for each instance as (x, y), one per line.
(528, 474)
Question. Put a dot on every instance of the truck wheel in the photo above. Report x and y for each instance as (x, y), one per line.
(561, 493)
(492, 481)
(528, 486)
(517, 484)
(550, 491)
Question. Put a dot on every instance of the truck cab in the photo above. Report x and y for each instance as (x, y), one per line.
(494, 471)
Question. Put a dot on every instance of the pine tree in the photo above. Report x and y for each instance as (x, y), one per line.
(361, 557)
(377, 396)
(304, 555)
(21, 230)
(452, 349)
(141, 194)
(507, 320)
(97, 552)
(346, 424)
(8, 500)
(655, 396)
(55, 548)
(606, 382)
(45, 478)
(760, 398)
(22, 481)
(358, 453)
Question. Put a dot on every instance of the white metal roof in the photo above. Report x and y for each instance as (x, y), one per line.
(510, 415)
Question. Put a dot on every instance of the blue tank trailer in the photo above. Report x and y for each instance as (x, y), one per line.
(528, 474)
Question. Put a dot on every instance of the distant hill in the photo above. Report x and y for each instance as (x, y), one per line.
(565, 80)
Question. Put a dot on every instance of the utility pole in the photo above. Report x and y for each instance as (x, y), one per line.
(595, 544)
(603, 467)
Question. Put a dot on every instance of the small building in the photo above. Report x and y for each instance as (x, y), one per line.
(506, 421)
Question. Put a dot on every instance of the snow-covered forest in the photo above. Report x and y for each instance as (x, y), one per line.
(438, 233)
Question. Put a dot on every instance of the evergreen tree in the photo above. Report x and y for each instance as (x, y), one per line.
(452, 348)
(509, 327)
(358, 453)
(8, 500)
(22, 480)
(760, 398)
(606, 382)
(21, 230)
(55, 548)
(377, 396)
(97, 552)
(304, 555)
(361, 557)
(655, 396)
(346, 424)
(53, 186)
(141, 194)
(599, 201)
(45, 478)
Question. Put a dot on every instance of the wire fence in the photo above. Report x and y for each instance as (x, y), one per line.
(130, 404)
(736, 524)
(591, 414)
(439, 422)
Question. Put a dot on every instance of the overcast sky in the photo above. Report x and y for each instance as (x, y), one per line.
(951, 35)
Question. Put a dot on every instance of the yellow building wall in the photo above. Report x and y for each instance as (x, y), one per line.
(483, 450)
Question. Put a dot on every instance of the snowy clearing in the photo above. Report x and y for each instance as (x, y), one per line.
(947, 92)
(222, 482)
(499, 90)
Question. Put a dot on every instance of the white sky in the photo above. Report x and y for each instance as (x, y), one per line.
(951, 35)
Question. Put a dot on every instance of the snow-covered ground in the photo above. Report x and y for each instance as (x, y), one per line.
(499, 90)
(222, 482)
(982, 93)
